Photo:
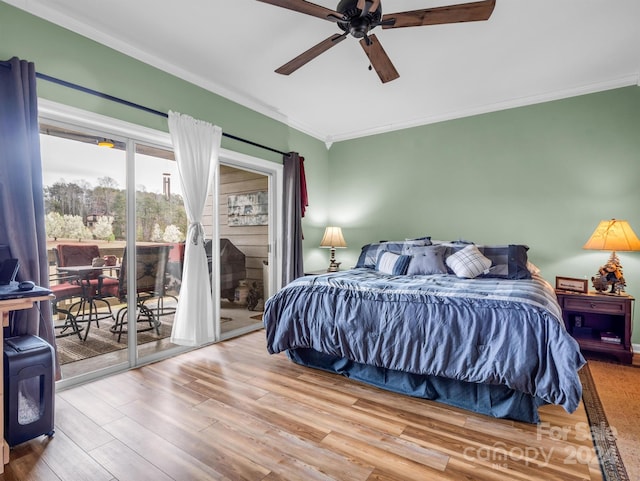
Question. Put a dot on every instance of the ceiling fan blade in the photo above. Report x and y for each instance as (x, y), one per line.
(313, 52)
(307, 7)
(366, 6)
(464, 12)
(379, 59)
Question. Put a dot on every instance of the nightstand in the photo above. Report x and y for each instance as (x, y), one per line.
(600, 323)
(316, 273)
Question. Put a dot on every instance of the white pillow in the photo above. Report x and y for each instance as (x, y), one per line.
(468, 262)
(392, 264)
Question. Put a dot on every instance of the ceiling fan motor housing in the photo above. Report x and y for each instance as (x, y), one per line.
(356, 25)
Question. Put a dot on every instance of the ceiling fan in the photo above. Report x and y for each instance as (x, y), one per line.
(358, 17)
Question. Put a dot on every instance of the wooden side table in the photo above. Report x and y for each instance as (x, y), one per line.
(6, 307)
(316, 273)
(600, 323)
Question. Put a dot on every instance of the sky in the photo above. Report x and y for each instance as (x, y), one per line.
(76, 161)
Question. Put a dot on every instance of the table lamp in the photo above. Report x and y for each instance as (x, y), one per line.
(333, 238)
(612, 235)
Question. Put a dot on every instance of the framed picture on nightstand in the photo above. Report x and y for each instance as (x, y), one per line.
(571, 284)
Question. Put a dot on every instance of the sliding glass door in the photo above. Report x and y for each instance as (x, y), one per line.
(243, 200)
(126, 199)
(86, 223)
(242, 222)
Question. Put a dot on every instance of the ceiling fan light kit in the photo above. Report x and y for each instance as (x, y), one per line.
(358, 17)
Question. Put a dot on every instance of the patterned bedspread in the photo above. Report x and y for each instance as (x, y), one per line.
(485, 330)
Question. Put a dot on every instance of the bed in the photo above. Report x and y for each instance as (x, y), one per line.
(485, 334)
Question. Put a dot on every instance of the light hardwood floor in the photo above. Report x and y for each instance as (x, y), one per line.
(233, 412)
(234, 317)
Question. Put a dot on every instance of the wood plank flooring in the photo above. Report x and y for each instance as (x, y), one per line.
(233, 412)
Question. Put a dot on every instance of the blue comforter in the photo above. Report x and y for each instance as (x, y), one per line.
(495, 331)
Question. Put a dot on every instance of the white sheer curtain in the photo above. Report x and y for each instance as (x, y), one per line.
(196, 145)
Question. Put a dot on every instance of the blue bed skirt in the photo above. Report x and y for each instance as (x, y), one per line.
(492, 400)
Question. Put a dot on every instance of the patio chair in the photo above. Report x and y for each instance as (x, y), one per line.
(67, 290)
(69, 294)
(151, 264)
(173, 277)
(75, 255)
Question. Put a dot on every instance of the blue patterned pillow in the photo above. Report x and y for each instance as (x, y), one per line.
(393, 264)
(370, 252)
(369, 255)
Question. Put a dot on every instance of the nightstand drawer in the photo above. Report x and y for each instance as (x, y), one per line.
(587, 305)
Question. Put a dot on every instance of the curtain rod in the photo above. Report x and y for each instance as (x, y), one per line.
(96, 93)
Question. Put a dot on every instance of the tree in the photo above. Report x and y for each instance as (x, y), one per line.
(102, 229)
(67, 199)
(54, 225)
(104, 196)
(79, 199)
(156, 235)
(74, 228)
(148, 212)
(172, 234)
(119, 218)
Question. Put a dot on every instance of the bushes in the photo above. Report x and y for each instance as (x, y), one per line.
(66, 226)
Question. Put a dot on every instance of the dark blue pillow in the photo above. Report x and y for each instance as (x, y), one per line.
(507, 262)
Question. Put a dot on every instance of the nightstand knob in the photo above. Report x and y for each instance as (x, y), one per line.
(593, 305)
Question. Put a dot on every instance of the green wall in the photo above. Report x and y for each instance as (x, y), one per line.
(543, 175)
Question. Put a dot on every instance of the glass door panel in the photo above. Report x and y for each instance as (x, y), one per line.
(161, 224)
(243, 231)
(85, 200)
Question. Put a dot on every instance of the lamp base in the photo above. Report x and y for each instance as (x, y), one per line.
(333, 265)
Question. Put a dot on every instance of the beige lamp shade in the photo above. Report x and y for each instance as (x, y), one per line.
(613, 235)
(333, 238)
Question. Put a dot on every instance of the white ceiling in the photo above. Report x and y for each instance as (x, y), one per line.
(529, 51)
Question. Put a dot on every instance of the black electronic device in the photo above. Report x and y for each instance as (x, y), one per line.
(8, 271)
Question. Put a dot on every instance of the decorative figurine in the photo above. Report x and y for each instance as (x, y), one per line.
(610, 274)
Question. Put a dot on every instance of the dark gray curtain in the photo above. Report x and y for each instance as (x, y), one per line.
(292, 267)
(21, 191)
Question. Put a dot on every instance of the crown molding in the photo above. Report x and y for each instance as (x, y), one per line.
(493, 107)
